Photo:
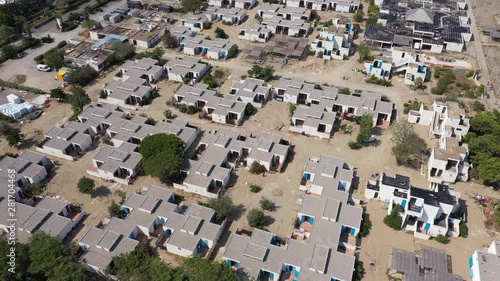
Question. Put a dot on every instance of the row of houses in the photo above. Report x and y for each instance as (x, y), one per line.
(317, 107)
(322, 245)
(285, 20)
(434, 26)
(335, 42)
(150, 216)
(219, 152)
(241, 4)
(426, 212)
(199, 45)
(228, 108)
(342, 6)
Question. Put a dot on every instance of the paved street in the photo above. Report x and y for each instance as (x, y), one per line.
(26, 67)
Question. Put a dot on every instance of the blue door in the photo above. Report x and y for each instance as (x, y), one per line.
(353, 231)
(311, 220)
(403, 203)
(427, 226)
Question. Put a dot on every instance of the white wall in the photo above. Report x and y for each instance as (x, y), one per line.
(54, 152)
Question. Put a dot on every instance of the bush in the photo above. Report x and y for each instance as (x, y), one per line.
(210, 81)
(292, 109)
(479, 106)
(255, 218)
(183, 108)
(257, 168)
(378, 81)
(83, 76)
(86, 185)
(191, 110)
(13, 85)
(34, 189)
(220, 33)
(355, 145)
(464, 230)
(470, 74)
(412, 105)
(7, 119)
(114, 209)
(394, 220)
(266, 204)
(442, 239)
(345, 91)
(61, 44)
(255, 188)
(218, 74)
(223, 207)
(366, 225)
(249, 109)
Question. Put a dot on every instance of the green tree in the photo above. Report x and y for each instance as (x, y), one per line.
(223, 207)
(12, 135)
(58, 94)
(366, 225)
(78, 100)
(122, 50)
(60, 4)
(365, 128)
(163, 156)
(86, 185)
(169, 40)
(255, 218)
(250, 109)
(359, 16)
(345, 91)
(88, 24)
(359, 271)
(198, 269)
(291, 109)
(442, 239)
(22, 262)
(265, 73)
(464, 229)
(168, 114)
(6, 32)
(192, 5)
(114, 209)
(408, 147)
(9, 51)
(220, 33)
(54, 59)
(364, 52)
(419, 83)
(266, 204)
(83, 76)
(394, 220)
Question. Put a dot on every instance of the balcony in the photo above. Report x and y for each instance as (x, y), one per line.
(302, 232)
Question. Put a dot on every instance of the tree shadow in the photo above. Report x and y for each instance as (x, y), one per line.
(268, 220)
(101, 191)
(238, 211)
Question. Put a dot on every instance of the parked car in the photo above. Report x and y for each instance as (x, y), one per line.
(20, 55)
(36, 114)
(43, 67)
(370, 139)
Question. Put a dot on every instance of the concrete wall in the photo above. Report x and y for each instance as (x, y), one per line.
(55, 152)
(195, 189)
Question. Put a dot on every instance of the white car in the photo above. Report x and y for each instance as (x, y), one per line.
(43, 67)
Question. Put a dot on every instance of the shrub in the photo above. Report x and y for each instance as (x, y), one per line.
(255, 218)
(249, 109)
(257, 168)
(394, 220)
(266, 204)
(479, 106)
(442, 239)
(20, 87)
(114, 210)
(255, 188)
(366, 225)
(102, 94)
(464, 230)
(355, 145)
(83, 76)
(223, 207)
(61, 44)
(86, 185)
(191, 110)
(34, 189)
(292, 109)
(470, 74)
(183, 108)
(218, 73)
(345, 91)
(412, 105)
(220, 33)
(378, 81)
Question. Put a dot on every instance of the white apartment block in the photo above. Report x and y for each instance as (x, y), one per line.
(208, 172)
(199, 45)
(255, 33)
(196, 22)
(151, 217)
(333, 43)
(231, 15)
(426, 212)
(313, 121)
(342, 6)
(399, 60)
(328, 99)
(250, 90)
(484, 265)
(448, 122)
(184, 69)
(241, 4)
(218, 108)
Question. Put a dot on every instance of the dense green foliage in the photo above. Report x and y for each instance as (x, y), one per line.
(464, 229)
(255, 218)
(82, 76)
(11, 134)
(365, 128)
(442, 239)
(292, 109)
(163, 156)
(141, 265)
(250, 109)
(408, 147)
(192, 5)
(366, 225)
(266, 204)
(42, 258)
(58, 94)
(412, 105)
(265, 73)
(78, 99)
(364, 53)
(359, 271)
(122, 51)
(394, 220)
(255, 188)
(484, 145)
(257, 168)
(114, 209)
(169, 40)
(223, 207)
(445, 79)
(378, 81)
(86, 185)
(220, 33)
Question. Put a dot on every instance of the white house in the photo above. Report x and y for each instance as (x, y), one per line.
(313, 121)
(232, 15)
(333, 43)
(426, 212)
(380, 67)
(196, 22)
(199, 45)
(255, 33)
(250, 90)
(484, 265)
(186, 68)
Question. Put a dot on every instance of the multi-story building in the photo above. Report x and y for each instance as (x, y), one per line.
(343, 6)
(250, 90)
(484, 265)
(334, 42)
(448, 122)
(286, 20)
(322, 245)
(232, 15)
(199, 45)
(255, 33)
(426, 212)
(435, 26)
(151, 217)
